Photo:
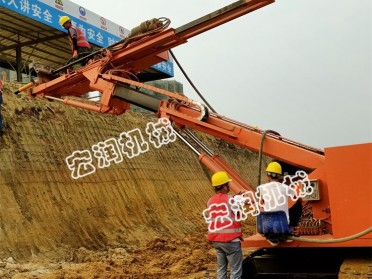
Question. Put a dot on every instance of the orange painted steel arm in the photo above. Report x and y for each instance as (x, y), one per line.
(215, 164)
(274, 146)
(220, 17)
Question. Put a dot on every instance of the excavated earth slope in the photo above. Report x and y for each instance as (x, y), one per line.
(140, 218)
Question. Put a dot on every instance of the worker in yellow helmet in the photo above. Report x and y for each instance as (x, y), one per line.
(274, 201)
(79, 44)
(274, 173)
(274, 170)
(225, 231)
(274, 197)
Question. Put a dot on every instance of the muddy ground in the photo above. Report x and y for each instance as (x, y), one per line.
(189, 257)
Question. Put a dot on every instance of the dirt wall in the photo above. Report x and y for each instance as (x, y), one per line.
(46, 213)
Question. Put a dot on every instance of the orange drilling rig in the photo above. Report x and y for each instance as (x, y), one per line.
(337, 217)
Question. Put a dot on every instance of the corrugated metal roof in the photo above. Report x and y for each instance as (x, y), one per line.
(37, 42)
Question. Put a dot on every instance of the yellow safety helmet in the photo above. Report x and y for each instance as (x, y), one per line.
(63, 20)
(274, 167)
(219, 178)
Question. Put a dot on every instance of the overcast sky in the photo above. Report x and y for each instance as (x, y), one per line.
(301, 68)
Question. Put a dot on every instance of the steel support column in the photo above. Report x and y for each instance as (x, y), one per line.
(19, 63)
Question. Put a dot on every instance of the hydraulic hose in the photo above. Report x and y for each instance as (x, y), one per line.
(191, 83)
(337, 240)
(260, 153)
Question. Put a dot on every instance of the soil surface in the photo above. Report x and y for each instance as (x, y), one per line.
(138, 218)
(189, 257)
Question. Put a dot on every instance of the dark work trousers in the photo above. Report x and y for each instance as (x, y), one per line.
(82, 52)
(295, 214)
